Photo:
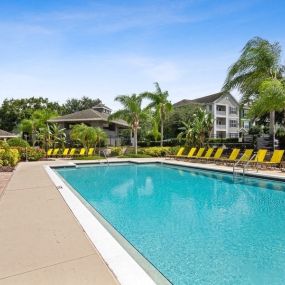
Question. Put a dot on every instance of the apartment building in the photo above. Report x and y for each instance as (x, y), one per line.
(225, 110)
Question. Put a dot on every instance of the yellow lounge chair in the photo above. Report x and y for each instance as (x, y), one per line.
(260, 155)
(72, 152)
(217, 155)
(190, 153)
(90, 151)
(233, 156)
(245, 157)
(65, 152)
(207, 154)
(179, 153)
(49, 152)
(82, 152)
(55, 152)
(275, 160)
(199, 153)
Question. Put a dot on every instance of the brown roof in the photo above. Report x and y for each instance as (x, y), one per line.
(4, 134)
(184, 102)
(101, 105)
(202, 100)
(210, 98)
(87, 115)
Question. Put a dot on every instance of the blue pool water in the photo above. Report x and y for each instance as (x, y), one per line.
(196, 227)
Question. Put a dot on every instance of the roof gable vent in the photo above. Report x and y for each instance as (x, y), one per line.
(102, 108)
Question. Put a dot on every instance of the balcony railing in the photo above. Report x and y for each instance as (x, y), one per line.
(220, 127)
(222, 113)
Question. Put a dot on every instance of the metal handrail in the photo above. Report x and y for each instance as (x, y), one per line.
(236, 164)
(105, 155)
(246, 164)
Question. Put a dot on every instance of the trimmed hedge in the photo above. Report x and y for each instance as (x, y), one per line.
(17, 142)
(168, 142)
(117, 151)
(33, 154)
(223, 140)
(157, 151)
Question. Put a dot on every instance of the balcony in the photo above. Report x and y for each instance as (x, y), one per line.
(220, 113)
(220, 127)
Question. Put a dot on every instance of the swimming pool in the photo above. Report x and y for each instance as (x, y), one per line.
(194, 226)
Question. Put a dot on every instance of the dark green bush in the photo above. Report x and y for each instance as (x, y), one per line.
(168, 142)
(17, 142)
(133, 155)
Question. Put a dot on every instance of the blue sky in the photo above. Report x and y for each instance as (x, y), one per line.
(61, 49)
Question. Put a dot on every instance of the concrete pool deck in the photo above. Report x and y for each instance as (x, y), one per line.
(41, 241)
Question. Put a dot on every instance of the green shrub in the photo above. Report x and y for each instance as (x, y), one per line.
(117, 151)
(168, 142)
(156, 151)
(133, 155)
(93, 157)
(33, 154)
(223, 140)
(9, 157)
(18, 142)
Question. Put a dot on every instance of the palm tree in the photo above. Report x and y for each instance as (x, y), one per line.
(203, 124)
(271, 99)
(258, 61)
(84, 134)
(186, 132)
(161, 104)
(44, 137)
(101, 137)
(198, 129)
(37, 121)
(58, 135)
(132, 113)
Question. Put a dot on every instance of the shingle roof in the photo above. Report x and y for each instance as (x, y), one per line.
(210, 98)
(101, 105)
(184, 102)
(86, 115)
(4, 134)
(202, 100)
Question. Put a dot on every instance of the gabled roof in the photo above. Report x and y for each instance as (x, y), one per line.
(4, 134)
(184, 102)
(204, 100)
(85, 116)
(210, 98)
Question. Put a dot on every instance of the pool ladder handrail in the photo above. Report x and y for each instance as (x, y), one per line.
(105, 155)
(244, 166)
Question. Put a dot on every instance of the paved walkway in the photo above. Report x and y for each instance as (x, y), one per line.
(4, 178)
(41, 242)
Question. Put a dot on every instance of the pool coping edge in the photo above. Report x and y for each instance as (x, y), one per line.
(124, 267)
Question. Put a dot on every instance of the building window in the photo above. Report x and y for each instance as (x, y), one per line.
(233, 135)
(233, 123)
(246, 124)
(233, 110)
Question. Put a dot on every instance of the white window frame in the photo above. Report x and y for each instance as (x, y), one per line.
(233, 125)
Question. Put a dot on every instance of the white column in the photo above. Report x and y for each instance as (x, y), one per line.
(227, 121)
(215, 119)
